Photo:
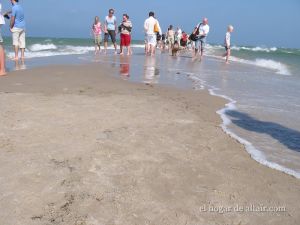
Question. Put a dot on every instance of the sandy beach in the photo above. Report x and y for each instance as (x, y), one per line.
(81, 147)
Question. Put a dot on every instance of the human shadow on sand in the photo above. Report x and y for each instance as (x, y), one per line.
(286, 136)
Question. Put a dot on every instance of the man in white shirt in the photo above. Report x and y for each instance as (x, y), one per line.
(151, 27)
(202, 32)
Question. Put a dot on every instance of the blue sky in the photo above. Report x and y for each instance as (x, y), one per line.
(257, 22)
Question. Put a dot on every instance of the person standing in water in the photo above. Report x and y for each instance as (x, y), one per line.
(170, 37)
(227, 43)
(97, 31)
(151, 27)
(110, 29)
(125, 30)
(202, 31)
(17, 27)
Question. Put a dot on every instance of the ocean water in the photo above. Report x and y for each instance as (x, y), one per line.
(262, 86)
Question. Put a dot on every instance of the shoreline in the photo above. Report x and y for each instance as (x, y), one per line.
(162, 154)
(255, 152)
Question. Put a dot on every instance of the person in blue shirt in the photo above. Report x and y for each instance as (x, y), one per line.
(17, 27)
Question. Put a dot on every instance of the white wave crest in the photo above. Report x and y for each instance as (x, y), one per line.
(268, 63)
(279, 67)
(47, 50)
(42, 47)
(254, 49)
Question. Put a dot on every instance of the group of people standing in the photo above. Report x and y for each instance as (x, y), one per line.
(17, 28)
(110, 30)
(153, 35)
(175, 40)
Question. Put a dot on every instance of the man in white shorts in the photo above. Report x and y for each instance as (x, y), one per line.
(151, 27)
(17, 27)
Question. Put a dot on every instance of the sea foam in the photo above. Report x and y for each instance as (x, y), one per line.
(42, 47)
(279, 67)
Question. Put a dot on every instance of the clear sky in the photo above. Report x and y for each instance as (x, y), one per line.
(257, 22)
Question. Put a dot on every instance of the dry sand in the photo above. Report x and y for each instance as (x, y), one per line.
(79, 147)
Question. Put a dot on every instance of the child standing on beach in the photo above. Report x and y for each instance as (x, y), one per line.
(97, 31)
(227, 43)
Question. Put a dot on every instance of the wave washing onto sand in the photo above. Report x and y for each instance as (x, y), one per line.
(279, 67)
(49, 49)
(255, 153)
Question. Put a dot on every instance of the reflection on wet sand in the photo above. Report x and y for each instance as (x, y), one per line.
(151, 72)
(125, 67)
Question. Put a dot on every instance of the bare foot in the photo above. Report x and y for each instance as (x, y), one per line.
(15, 59)
(2, 74)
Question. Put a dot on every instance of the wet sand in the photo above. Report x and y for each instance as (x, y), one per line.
(81, 147)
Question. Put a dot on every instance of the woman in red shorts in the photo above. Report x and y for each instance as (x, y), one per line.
(125, 30)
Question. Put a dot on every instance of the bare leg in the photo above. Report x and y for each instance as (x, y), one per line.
(16, 52)
(146, 50)
(129, 50)
(152, 50)
(121, 50)
(2, 61)
(105, 47)
(195, 53)
(228, 55)
(96, 49)
(201, 55)
(23, 53)
(115, 45)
